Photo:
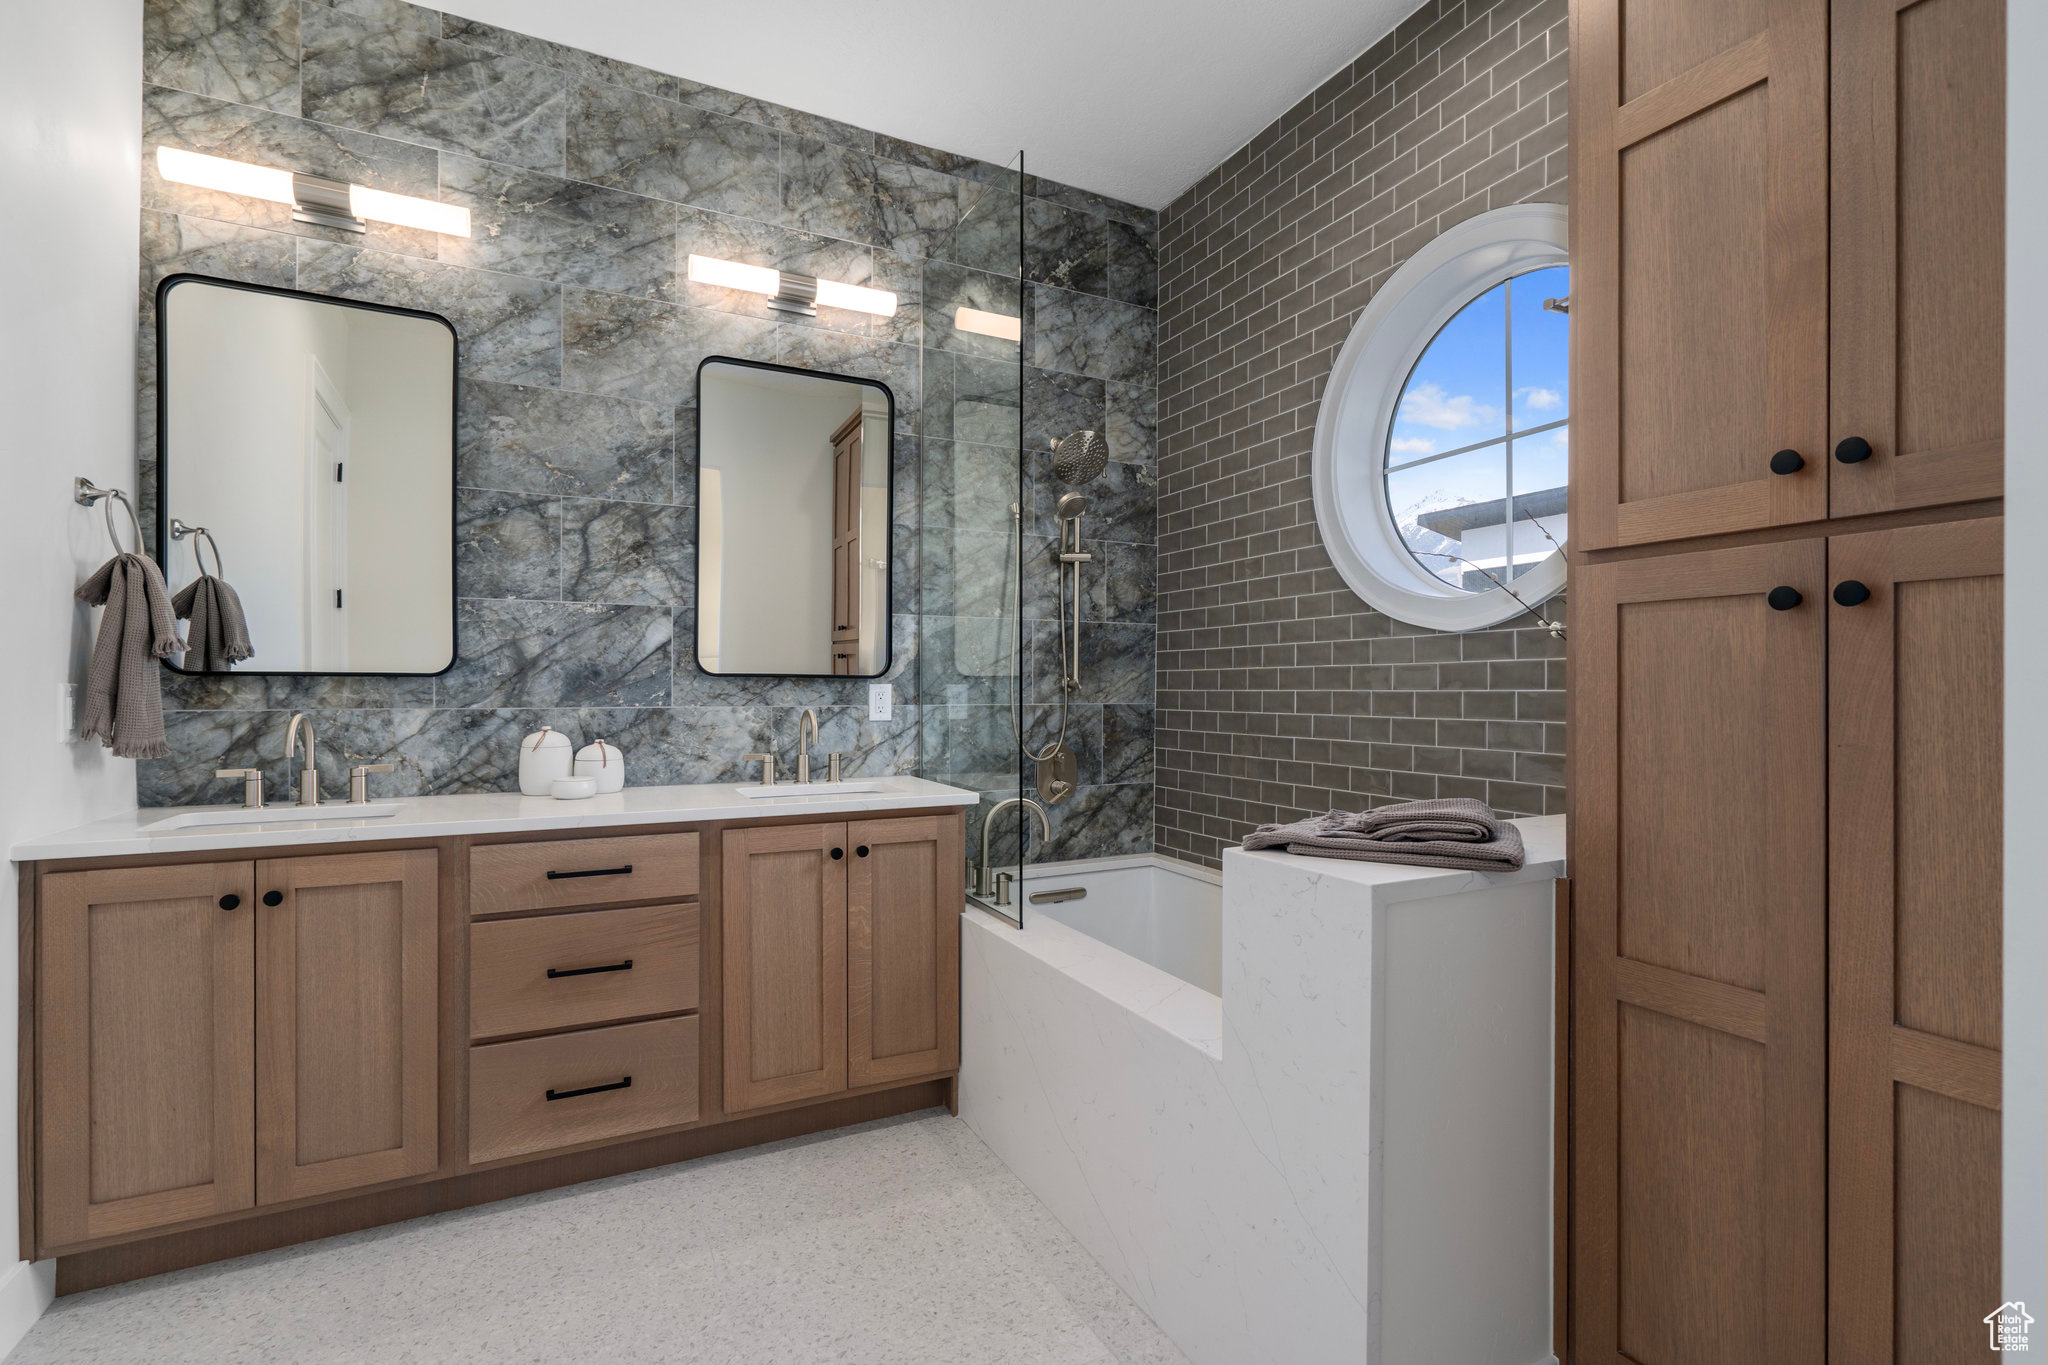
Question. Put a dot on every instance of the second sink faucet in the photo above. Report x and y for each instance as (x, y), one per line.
(309, 780)
(807, 740)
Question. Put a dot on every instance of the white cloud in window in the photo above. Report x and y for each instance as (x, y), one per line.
(1540, 399)
(1427, 405)
(1411, 446)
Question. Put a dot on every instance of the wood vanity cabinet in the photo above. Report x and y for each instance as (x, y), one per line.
(842, 950)
(219, 1036)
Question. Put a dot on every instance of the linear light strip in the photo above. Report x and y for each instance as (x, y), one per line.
(283, 187)
(790, 291)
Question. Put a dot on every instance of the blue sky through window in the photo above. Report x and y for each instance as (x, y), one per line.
(1497, 406)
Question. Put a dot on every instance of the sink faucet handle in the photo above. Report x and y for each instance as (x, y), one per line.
(767, 762)
(832, 761)
(359, 781)
(252, 785)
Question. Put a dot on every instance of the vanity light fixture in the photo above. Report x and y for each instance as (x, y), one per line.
(314, 199)
(999, 325)
(789, 291)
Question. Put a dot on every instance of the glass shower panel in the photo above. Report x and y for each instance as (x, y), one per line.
(970, 661)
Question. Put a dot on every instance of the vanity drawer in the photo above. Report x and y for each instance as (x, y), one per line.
(555, 873)
(511, 1114)
(563, 971)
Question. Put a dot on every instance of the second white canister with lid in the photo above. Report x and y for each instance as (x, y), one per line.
(602, 760)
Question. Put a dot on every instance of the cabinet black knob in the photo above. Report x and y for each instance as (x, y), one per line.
(1787, 462)
(230, 901)
(838, 853)
(273, 898)
(862, 851)
(1852, 450)
(1850, 593)
(1783, 599)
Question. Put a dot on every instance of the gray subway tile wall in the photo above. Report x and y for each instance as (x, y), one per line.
(1280, 693)
(590, 181)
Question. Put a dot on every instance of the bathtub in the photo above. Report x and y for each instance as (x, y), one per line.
(1299, 1111)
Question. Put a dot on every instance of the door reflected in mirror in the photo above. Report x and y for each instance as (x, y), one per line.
(793, 521)
(305, 480)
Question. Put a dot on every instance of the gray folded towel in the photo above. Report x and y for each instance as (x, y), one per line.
(219, 637)
(1456, 832)
(124, 703)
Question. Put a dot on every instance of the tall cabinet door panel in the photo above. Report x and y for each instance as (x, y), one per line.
(145, 1019)
(1699, 958)
(903, 948)
(1914, 724)
(346, 1054)
(784, 915)
(1919, 252)
(1700, 255)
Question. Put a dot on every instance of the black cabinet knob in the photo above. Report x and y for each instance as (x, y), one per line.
(230, 901)
(1787, 462)
(1850, 593)
(273, 898)
(1783, 599)
(861, 852)
(1852, 450)
(838, 853)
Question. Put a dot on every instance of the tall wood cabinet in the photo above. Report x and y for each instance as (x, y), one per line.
(1785, 722)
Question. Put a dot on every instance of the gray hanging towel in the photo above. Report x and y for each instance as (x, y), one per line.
(219, 637)
(124, 703)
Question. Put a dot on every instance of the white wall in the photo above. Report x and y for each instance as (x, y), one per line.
(771, 440)
(2025, 1224)
(70, 154)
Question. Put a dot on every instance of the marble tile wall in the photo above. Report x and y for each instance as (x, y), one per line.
(1280, 693)
(589, 181)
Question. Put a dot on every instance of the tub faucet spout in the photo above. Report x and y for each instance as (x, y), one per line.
(984, 877)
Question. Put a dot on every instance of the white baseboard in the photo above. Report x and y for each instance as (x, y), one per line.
(26, 1290)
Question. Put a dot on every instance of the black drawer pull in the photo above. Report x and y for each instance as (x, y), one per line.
(625, 966)
(1787, 462)
(593, 872)
(1852, 450)
(273, 898)
(837, 854)
(230, 901)
(1850, 593)
(589, 1090)
(862, 851)
(1783, 599)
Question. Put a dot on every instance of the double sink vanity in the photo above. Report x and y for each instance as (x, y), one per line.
(242, 1032)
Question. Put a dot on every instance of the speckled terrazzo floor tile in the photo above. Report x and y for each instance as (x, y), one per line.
(902, 1242)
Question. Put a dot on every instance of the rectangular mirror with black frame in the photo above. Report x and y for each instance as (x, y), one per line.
(793, 521)
(305, 480)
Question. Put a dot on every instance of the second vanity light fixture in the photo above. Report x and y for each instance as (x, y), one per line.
(790, 292)
(314, 199)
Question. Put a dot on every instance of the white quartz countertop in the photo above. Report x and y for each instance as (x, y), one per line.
(434, 817)
(1543, 860)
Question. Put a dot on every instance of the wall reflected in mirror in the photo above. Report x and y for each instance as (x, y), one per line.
(793, 521)
(313, 440)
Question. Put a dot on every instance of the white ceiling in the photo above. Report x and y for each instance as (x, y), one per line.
(1130, 98)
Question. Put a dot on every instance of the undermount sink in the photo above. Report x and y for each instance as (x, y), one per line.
(783, 790)
(268, 815)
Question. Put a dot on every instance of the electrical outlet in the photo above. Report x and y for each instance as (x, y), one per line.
(67, 712)
(881, 701)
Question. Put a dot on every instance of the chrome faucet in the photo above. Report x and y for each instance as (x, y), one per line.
(989, 884)
(808, 722)
(309, 780)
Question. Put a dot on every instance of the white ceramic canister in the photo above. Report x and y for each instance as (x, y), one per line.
(572, 788)
(544, 755)
(603, 761)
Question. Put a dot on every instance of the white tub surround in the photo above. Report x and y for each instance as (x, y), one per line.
(1345, 1158)
(160, 830)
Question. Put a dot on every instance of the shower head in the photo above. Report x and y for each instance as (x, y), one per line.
(1080, 456)
(1070, 506)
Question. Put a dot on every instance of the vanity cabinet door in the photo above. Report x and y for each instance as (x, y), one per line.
(1918, 227)
(1699, 301)
(1699, 957)
(903, 948)
(145, 997)
(347, 997)
(784, 919)
(1915, 730)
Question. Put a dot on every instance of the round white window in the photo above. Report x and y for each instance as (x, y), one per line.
(1442, 450)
